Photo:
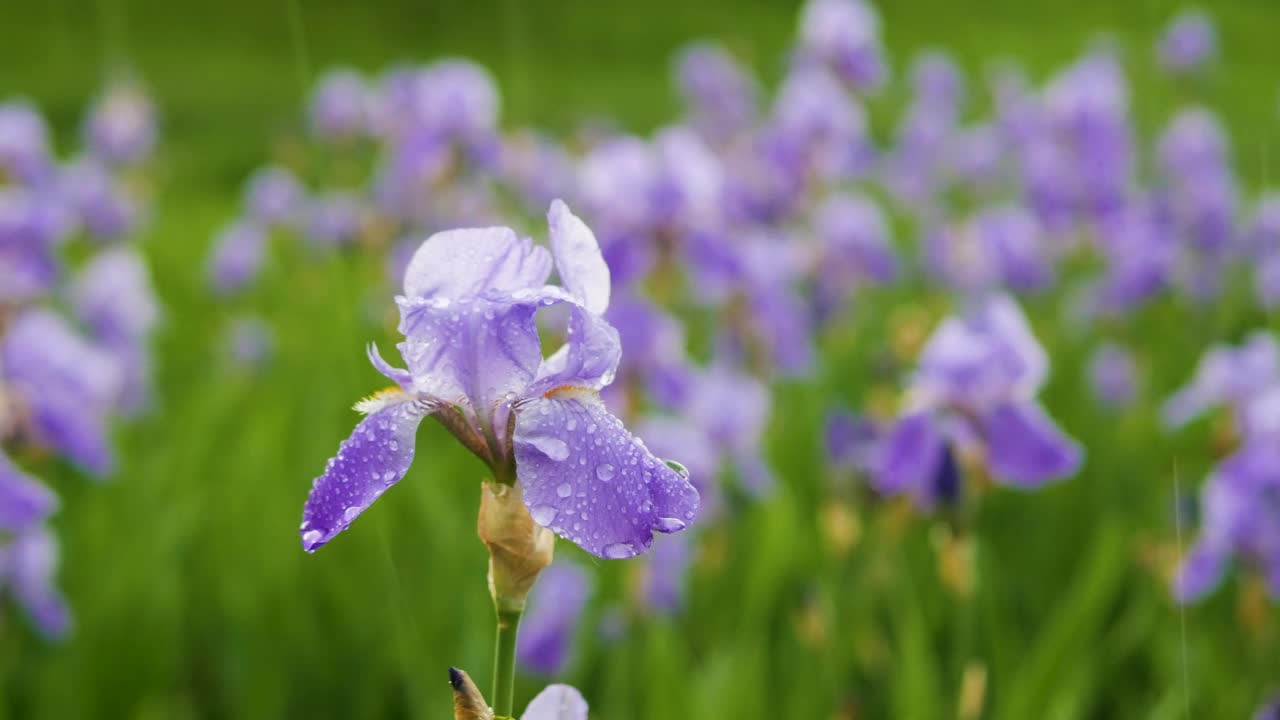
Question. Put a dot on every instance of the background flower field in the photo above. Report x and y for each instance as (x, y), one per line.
(192, 598)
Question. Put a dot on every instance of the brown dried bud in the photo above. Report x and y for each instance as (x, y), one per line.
(519, 548)
(468, 703)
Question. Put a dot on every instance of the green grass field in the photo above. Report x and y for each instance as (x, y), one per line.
(193, 599)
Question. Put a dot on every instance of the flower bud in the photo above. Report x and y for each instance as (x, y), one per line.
(519, 548)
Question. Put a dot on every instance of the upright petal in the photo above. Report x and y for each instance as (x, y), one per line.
(908, 460)
(1025, 447)
(557, 702)
(463, 263)
(588, 359)
(376, 455)
(472, 353)
(592, 482)
(582, 269)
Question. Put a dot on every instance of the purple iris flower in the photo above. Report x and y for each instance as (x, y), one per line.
(619, 180)
(691, 184)
(238, 253)
(1188, 43)
(538, 167)
(552, 618)
(557, 702)
(1227, 376)
(28, 553)
(25, 154)
(457, 100)
(1141, 255)
(339, 105)
(1113, 374)
(475, 363)
(845, 36)
(1263, 239)
(1241, 519)
(274, 197)
(30, 230)
(721, 95)
(121, 127)
(66, 385)
(974, 391)
(98, 201)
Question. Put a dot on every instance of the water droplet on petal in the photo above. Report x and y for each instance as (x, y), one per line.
(681, 470)
(669, 524)
(565, 490)
(605, 472)
(552, 447)
(350, 513)
(543, 514)
(619, 551)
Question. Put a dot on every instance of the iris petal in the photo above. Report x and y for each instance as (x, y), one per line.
(557, 702)
(582, 268)
(592, 482)
(1025, 447)
(909, 459)
(463, 263)
(375, 457)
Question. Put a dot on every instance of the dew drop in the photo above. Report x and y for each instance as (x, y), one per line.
(543, 514)
(619, 551)
(565, 490)
(350, 513)
(605, 472)
(669, 524)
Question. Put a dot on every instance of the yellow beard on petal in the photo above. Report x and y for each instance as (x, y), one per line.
(380, 399)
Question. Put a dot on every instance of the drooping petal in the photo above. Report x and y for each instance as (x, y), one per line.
(1025, 447)
(592, 482)
(464, 263)
(551, 617)
(24, 501)
(471, 354)
(582, 269)
(375, 457)
(909, 458)
(557, 702)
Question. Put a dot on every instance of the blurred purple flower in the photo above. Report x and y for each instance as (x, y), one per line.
(998, 247)
(238, 253)
(732, 409)
(552, 618)
(273, 196)
(845, 36)
(1188, 43)
(29, 233)
(249, 341)
(339, 105)
(666, 574)
(975, 389)
(721, 95)
(1113, 374)
(856, 247)
(121, 126)
(68, 386)
(112, 297)
(1241, 519)
(475, 363)
(1227, 376)
(25, 153)
(28, 553)
(97, 201)
(333, 219)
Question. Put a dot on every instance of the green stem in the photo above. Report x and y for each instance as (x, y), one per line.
(504, 664)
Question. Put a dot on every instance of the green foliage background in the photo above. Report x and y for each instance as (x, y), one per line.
(193, 599)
